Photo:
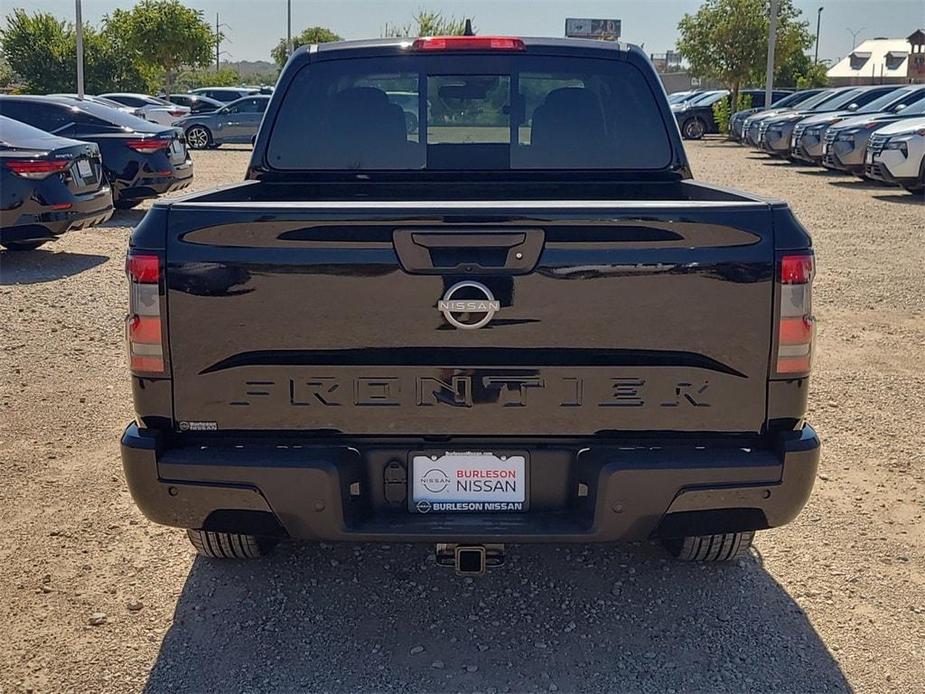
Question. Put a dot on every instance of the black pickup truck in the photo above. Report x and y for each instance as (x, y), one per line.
(517, 321)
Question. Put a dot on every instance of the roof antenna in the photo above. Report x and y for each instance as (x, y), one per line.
(467, 31)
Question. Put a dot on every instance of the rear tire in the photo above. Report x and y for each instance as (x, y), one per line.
(21, 245)
(198, 137)
(216, 545)
(693, 129)
(712, 548)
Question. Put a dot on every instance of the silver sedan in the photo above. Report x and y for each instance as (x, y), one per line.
(237, 122)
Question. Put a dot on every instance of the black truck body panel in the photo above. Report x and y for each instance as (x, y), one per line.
(629, 353)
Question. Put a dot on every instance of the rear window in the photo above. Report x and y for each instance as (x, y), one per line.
(113, 116)
(471, 112)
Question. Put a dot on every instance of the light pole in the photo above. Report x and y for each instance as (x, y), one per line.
(772, 42)
(818, 22)
(854, 36)
(80, 52)
(288, 28)
(218, 41)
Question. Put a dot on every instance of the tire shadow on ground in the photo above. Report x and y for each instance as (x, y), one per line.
(568, 618)
(858, 184)
(824, 173)
(917, 199)
(44, 265)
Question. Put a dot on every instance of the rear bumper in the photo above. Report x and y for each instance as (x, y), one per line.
(34, 221)
(602, 493)
(150, 184)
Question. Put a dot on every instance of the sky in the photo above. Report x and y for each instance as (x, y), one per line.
(253, 27)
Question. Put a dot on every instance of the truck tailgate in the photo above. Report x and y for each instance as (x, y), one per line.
(324, 316)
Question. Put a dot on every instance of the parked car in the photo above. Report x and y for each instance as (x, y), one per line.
(808, 135)
(737, 120)
(141, 159)
(896, 154)
(776, 134)
(752, 125)
(225, 94)
(196, 103)
(695, 117)
(236, 122)
(154, 108)
(470, 359)
(103, 101)
(679, 97)
(846, 142)
(48, 185)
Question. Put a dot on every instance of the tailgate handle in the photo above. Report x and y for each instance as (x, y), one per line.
(473, 252)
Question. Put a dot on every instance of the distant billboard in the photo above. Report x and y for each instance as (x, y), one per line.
(601, 29)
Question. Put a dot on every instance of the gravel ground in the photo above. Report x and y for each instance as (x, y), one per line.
(95, 598)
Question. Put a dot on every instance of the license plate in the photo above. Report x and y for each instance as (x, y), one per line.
(870, 157)
(467, 482)
(176, 148)
(825, 148)
(84, 169)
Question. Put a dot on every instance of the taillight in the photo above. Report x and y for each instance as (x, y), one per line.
(148, 146)
(796, 326)
(143, 331)
(468, 43)
(176, 112)
(36, 168)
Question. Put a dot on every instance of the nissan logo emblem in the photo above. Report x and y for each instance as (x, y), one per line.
(471, 300)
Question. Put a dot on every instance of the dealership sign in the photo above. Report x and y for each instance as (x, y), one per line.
(583, 28)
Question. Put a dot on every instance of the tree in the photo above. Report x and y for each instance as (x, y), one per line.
(42, 51)
(727, 40)
(427, 23)
(36, 47)
(815, 75)
(208, 77)
(309, 36)
(163, 36)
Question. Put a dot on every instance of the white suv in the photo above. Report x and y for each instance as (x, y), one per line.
(896, 154)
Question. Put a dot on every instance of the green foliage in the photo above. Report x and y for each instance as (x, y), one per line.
(722, 110)
(815, 75)
(7, 78)
(209, 77)
(307, 37)
(727, 40)
(427, 23)
(162, 36)
(42, 53)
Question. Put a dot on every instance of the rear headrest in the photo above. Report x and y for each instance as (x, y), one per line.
(570, 115)
(359, 98)
(362, 125)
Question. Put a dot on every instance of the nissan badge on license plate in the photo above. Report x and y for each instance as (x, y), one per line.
(468, 481)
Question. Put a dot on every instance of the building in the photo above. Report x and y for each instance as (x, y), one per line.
(882, 61)
(916, 70)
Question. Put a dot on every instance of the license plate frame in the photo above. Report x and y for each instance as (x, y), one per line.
(85, 170)
(497, 468)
